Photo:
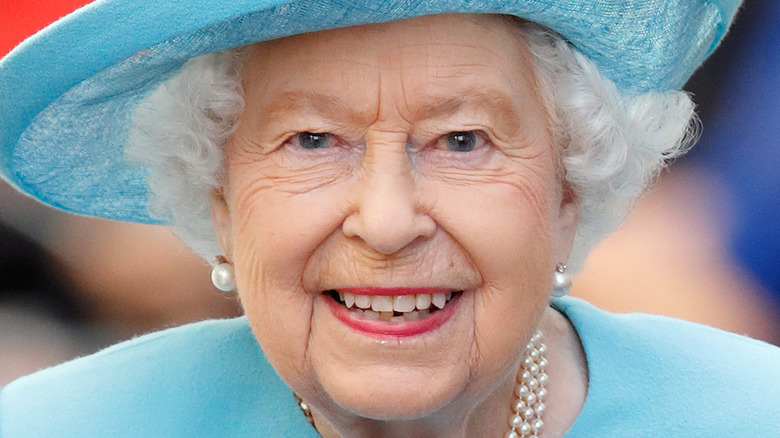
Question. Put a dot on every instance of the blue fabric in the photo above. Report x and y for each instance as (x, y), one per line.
(203, 380)
(66, 94)
(649, 377)
(653, 376)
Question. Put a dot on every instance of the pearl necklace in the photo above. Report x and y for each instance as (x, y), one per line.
(526, 420)
(530, 389)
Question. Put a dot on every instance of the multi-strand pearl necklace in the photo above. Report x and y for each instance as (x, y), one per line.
(526, 420)
(530, 389)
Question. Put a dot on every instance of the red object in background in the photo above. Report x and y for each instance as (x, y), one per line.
(20, 19)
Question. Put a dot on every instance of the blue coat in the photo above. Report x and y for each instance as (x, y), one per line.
(649, 376)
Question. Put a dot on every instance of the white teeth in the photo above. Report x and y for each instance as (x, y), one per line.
(381, 307)
(363, 301)
(439, 300)
(423, 301)
(382, 303)
(403, 303)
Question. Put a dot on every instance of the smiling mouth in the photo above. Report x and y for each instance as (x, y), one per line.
(393, 308)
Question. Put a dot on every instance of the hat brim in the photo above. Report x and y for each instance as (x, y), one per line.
(67, 93)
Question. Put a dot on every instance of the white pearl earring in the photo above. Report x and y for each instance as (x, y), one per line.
(562, 283)
(222, 275)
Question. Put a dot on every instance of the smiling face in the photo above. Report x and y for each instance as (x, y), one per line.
(379, 162)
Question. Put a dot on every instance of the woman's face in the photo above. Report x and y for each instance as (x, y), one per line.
(379, 162)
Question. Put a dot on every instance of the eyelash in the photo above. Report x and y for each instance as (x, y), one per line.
(480, 139)
(295, 140)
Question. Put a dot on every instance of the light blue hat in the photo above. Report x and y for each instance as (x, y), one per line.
(66, 93)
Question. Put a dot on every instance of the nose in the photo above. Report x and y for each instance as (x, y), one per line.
(387, 214)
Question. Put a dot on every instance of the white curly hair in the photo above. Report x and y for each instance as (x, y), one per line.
(611, 144)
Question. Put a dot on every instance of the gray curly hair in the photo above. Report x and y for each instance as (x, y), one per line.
(611, 144)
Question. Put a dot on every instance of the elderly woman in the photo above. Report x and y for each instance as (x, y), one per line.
(399, 193)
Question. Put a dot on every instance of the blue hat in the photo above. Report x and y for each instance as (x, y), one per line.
(66, 93)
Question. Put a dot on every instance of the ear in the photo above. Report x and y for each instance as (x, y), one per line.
(568, 215)
(223, 224)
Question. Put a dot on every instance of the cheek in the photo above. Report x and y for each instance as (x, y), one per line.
(503, 221)
(281, 214)
(504, 226)
(275, 231)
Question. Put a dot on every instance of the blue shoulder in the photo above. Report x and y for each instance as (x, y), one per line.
(658, 376)
(205, 379)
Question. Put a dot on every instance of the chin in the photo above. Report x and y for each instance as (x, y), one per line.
(390, 394)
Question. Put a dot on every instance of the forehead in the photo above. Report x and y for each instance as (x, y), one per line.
(427, 61)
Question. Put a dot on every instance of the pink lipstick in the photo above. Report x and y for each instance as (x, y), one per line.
(393, 312)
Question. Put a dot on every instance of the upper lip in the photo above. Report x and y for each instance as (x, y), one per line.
(394, 290)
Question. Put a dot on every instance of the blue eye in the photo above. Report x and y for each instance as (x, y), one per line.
(461, 141)
(313, 140)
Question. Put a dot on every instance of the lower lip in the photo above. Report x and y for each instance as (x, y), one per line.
(384, 329)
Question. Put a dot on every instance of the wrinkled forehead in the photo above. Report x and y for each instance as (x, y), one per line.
(473, 38)
(433, 64)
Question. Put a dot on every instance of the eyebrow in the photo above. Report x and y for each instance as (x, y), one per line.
(332, 107)
(497, 105)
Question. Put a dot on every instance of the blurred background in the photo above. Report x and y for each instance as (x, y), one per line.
(703, 245)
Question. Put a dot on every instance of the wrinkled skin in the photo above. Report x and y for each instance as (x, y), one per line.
(386, 203)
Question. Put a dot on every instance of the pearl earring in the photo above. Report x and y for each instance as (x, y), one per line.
(561, 281)
(222, 275)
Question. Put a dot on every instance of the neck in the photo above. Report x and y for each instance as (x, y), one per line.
(488, 417)
(488, 413)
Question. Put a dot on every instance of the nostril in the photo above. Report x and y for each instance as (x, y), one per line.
(387, 214)
(388, 235)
